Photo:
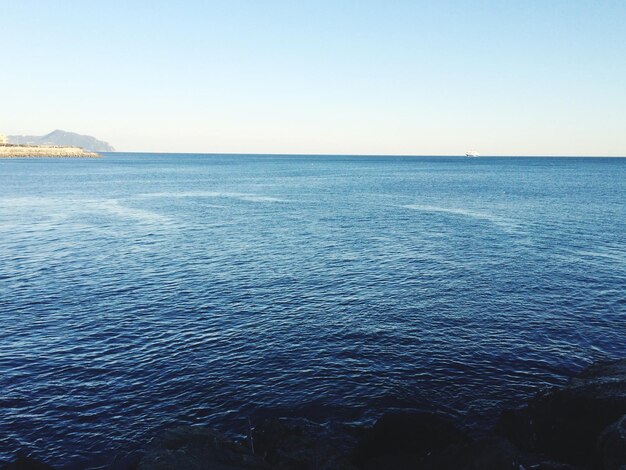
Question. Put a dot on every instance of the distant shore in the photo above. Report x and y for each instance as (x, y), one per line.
(44, 151)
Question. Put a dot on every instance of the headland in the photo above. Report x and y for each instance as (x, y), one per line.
(8, 150)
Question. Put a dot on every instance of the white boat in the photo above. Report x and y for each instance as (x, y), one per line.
(471, 153)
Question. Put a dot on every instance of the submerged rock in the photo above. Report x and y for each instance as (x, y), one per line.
(489, 453)
(612, 445)
(22, 462)
(299, 444)
(566, 423)
(406, 440)
(197, 448)
(579, 426)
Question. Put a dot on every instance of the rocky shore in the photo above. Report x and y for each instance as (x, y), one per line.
(579, 426)
(43, 151)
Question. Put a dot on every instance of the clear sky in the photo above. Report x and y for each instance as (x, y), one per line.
(544, 77)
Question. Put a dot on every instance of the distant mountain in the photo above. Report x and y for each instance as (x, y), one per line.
(58, 137)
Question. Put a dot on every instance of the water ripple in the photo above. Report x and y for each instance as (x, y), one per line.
(140, 291)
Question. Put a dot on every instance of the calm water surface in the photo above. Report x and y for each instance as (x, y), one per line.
(140, 290)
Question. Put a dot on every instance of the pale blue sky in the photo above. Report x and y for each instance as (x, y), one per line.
(368, 77)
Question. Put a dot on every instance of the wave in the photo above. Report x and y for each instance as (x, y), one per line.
(57, 209)
(502, 223)
(604, 253)
(250, 197)
(113, 207)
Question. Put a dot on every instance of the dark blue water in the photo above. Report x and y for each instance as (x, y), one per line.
(138, 291)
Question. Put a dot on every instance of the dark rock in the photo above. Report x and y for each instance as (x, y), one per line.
(26, 463)
(404, 440)
(612, 445)
(488, 453)
(299, 444)
(197, 448)
(128, 461)
(491, 453)
(517, 426)
(547, 464)
(565, 423)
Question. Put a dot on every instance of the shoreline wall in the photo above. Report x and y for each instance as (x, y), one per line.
(32, 151)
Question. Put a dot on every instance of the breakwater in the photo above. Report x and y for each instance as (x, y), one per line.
(44, 151)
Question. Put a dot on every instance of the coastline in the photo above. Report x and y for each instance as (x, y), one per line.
(579, 426)
(47, 151)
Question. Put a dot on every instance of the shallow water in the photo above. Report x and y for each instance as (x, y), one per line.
(142, 290)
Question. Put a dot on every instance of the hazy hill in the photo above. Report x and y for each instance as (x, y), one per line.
(59, 137)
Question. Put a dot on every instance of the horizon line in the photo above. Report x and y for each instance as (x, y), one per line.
(367, 155)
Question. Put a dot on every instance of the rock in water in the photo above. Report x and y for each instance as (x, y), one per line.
(567, 422)
(612, 445)
(197, 448)
(404, 440)
(299, 444)
(26, 463)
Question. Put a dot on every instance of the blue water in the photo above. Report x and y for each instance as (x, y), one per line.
(139, 291)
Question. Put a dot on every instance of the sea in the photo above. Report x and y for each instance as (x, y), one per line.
(143, 291)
